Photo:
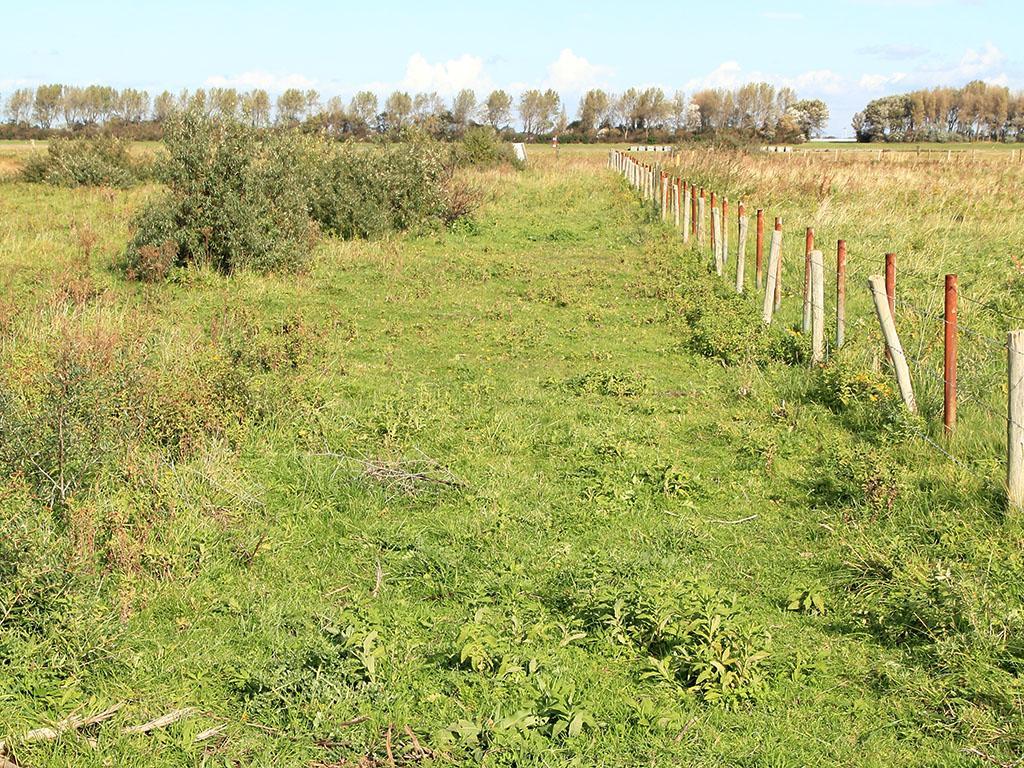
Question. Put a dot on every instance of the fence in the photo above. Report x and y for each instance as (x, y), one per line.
(685, 206)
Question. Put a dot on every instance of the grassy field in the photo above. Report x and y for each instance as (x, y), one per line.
(520, 493)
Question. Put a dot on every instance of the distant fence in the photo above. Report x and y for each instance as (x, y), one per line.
(651, 148)
(702, 216)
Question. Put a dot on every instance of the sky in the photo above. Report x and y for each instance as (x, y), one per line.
(845, 52)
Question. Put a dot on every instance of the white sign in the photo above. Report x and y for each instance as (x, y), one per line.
(520, 150)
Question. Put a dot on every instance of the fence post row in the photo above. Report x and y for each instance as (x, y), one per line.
(687, 203)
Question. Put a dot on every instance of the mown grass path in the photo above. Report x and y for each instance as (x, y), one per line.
(534, 356)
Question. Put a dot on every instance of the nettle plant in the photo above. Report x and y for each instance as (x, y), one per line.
(694, 638)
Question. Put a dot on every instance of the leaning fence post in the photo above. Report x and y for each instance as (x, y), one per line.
(805, 325)
(759, 250)
(892, 341)
(840, 293)
(774, 255)
(817, 307)
(1014, 417)
(949, 317)
(741, 249)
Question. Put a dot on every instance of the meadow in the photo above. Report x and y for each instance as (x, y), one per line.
(532, 489)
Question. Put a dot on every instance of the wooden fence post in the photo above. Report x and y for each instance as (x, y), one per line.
(716, 239)
(778, 270)
(808, 247)
(677, 200)
(840, 293)
(700, 218)
(759, 250)
(714, 207)
(741, 249)
(817, 307)
(724, 232)
(1014, 418)
(774, 256)
(949, 317)
(693, 210)
(890, 289)
(892, 341)
(687, 192)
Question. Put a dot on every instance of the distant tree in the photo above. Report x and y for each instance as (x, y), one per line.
(811, 116)
(256, 108)
(398, 108)
(164, 105)
(498, 109)
(47, 104)
(463, 107)
(363, 110)
(290, 106)
(312, 103)
(593, 110)
(18, 109)
(132, 105)
(335, 117)
(224, 102)
(98, 103)
(72, 105)
(677, 112)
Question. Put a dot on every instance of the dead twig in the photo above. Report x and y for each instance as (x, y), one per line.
(379, 579)
(161, 722)
(387, 747)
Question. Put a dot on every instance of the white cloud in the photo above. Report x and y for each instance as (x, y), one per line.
(259, 79)
(570, 72)
(446, 77)
(878, 82)
(729, 74)
(893, 51)
(978, 63)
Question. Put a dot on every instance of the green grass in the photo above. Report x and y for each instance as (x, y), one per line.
(541, 356)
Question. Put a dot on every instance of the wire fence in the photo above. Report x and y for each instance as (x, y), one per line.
(703, 216)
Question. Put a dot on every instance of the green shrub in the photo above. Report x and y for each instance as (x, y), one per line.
(87, 162)
(236, 199)
(356, 193)
(482, 146)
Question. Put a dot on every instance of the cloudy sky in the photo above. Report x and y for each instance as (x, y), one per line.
(843, 51)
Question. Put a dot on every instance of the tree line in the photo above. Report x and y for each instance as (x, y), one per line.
(757, 110)
(978, 111)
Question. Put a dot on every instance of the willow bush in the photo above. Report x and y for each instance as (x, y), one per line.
(239, 198)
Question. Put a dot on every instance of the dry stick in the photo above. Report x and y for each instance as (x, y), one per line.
(808, 247)
(892, 341)
(664, 196)
(774, 252)
(1015, 413)
(949, 356)
(818, 307)
(161, 722)
(759, 251)
(778, 270)
(840, 293)
(716, 240)
(741, 251)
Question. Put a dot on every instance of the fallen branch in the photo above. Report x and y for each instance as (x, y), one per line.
(161, 722)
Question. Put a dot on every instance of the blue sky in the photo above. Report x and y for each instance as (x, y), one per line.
(843, 51)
